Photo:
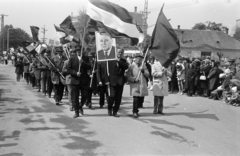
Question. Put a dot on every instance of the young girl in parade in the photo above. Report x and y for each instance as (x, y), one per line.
(18, 69)
(180, 75)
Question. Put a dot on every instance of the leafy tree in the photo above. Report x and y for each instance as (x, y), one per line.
(199, 26)
(236, 35)
(16, 37)
(210, 26)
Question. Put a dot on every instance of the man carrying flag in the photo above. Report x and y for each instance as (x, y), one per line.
(165, 48)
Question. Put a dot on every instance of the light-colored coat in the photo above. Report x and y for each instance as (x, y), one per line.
(140, 88)
(160, 81)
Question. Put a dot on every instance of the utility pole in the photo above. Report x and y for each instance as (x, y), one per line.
(44, 30)
(2, 26)
(145, 16)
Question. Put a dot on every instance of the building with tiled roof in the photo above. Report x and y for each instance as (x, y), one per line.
(207, 43)
(138, 18)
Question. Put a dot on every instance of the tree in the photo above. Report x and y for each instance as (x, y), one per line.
(16, 37)
(210, 26)
(236, 35)
(199, 26)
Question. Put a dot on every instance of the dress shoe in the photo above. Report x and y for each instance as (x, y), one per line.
(71, 109)
(154, 112)
(101, 106)
(90, 105)
(135, 115)
(75, 115)
(81, 111)
(161, 113)
(116, 115)
(109, 112)
(57, 103)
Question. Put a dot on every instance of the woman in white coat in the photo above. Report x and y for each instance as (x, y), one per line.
(160, 86)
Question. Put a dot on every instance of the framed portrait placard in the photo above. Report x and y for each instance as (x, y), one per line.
(105, 47)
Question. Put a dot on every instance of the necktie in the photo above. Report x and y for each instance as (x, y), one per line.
(106, 54)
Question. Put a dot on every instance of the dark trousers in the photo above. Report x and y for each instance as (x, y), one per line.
(135, 104)
(58, 89)
(75, 98)
(44, 84)
(140, 102)
(103, 90)
(115, 97)
(84, 93)
(49, 86)
(27, 77)
(158, 104)
(33, 80)
(18, 76)
(89, 97)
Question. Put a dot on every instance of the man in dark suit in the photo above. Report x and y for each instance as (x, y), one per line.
(115, 81)
(108, 52)
(79, 81)
(58, 61)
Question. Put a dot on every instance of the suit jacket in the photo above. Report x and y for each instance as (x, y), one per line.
(72, 68)
(101, 55)
(116, 72)
(55, 77)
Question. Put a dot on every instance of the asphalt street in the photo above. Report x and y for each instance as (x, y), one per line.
(32, 125)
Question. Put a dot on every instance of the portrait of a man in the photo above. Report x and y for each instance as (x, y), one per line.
(105, 47)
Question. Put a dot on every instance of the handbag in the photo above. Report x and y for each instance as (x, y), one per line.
(203, 77)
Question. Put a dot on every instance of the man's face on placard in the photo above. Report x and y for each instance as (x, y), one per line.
(105, 42)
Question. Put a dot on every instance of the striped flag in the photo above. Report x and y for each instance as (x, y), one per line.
(117, 21)
(68, 26)
(61, 34)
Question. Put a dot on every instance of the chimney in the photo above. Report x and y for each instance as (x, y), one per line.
(135, 9)
(227, 30)
(178, 26)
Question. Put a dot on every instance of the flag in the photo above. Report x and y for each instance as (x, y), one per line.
(61, 34)
(68, 26)
(51, 42)
(28, 46)
(164, 43)
(117, 21)
(41, 48)
(35, 32)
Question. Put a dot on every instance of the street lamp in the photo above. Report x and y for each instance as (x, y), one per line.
(8, 37)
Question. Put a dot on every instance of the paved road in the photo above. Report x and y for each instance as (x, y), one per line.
(32, 125)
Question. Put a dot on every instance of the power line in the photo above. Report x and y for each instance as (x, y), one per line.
(44, 31)
(2, 26)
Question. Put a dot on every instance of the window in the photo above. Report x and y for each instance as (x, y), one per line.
(205, 55)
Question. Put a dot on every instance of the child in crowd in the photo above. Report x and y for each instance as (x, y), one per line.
(180, 75)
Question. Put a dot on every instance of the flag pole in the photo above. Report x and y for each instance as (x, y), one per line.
(92, 73)
(79, 68)
(142, 63)
(108, 78)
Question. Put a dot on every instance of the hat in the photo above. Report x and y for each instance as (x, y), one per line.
(227, 71)
(138, 55)
(231, 60)
(207, 61)
(76, 50)
(58, 49)
(91, 54)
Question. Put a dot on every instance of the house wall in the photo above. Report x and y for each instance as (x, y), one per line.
(196, 53)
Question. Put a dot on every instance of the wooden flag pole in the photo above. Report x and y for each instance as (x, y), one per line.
(142, 64)
(108, 78)
(79, 68)
(92, 73)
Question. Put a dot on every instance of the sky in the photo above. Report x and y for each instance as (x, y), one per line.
(186, 13)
